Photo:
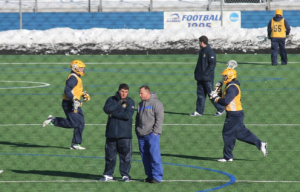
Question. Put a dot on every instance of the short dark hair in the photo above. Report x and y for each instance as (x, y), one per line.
(203, 39)
(145, 87)
(123, 86)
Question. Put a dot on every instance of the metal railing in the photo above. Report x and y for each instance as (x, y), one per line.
(143, 5)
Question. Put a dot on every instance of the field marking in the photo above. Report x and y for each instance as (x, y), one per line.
(164, 124)
(135, 180)
(38, 86)
(135, 63)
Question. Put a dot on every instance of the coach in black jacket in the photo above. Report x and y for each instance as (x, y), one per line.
(204, 75)
(120, 109)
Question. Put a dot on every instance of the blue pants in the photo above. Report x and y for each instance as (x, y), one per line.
(124, 148)
(234, 128)
(278, 44)
(203, 89)
(151, 157)
(73, 120)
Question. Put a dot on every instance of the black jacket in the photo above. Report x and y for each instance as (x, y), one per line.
(119, 122)
(205, 69)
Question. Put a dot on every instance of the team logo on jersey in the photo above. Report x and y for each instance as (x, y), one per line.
(204, 55)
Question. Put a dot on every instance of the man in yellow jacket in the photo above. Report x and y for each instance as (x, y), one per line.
(234, 127)
(71, 105)
(278, 30)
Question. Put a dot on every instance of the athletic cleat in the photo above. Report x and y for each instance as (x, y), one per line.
(106, 178)
(225, 160)
(196, 114)
(125, 179)
(1, 171)
(219, 113)
(48, 121)
(154, 181)
(146, 180)
(264, 148)
(76, 146)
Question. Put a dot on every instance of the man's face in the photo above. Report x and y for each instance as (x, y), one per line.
(225, 77)
(144, 94)
(201, 44)
(123, 93)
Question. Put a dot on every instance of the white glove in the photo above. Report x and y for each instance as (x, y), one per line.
(76, 103)
(214, 95)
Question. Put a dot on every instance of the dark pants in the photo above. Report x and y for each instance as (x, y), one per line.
(203, 89)
(234, 128)
(278, 44)
(73, 120)
(124, 148)
(151, 157)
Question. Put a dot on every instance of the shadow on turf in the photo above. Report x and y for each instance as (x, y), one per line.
(194, 157)
(28, 145)
(59, 174)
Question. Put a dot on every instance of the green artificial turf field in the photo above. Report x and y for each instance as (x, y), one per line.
(39, 159)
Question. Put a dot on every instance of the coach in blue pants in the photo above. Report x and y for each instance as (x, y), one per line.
(148, 127)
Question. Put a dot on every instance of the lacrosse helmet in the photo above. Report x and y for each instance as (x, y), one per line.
(230, 74)
(279, 12)
(76, 65)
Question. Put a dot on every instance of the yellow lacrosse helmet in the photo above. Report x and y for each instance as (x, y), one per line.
(279, 12)
(230, 74)
(76, 65)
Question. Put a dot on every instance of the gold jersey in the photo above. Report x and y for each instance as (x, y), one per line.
(77, 90)
(278, 29)
(235, 104)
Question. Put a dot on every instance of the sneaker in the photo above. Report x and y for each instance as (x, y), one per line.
(125, 179)
(147, 180)
(195, 114)
(106, 178)
(225, 160)
(264, 148)
(76, 146)
(219, 113)
(48, 121)
(1, 171)
(154, 181)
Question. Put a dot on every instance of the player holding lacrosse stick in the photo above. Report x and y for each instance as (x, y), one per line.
(234, 127)
(218, 87)
(71, 104)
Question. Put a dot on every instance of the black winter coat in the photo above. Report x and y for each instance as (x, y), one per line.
(119, 122)
(205, 69)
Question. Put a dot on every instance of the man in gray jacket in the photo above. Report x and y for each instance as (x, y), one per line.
(148, 127)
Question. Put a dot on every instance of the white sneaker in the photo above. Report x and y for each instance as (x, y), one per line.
(76, 146)
(195, 114)
(48, 121)
(125, 179)
(225, 160)
(264, 148)
(219, 113)
(1, 171)
(106, 178)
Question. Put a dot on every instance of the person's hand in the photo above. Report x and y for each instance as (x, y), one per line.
(287, 36)
(76, 103)
(214, 95)
(269, 36)
(218, 86)
(86, 96)
(123, 102)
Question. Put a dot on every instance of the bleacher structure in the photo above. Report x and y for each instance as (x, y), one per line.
(144, 5)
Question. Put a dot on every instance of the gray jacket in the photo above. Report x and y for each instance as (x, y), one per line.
(150, 116)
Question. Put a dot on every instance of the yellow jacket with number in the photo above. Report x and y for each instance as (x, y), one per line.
(73, 92)
(278, 29)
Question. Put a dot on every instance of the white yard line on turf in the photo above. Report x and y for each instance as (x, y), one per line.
(200, 181)
(119, 63)
(165, 124)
